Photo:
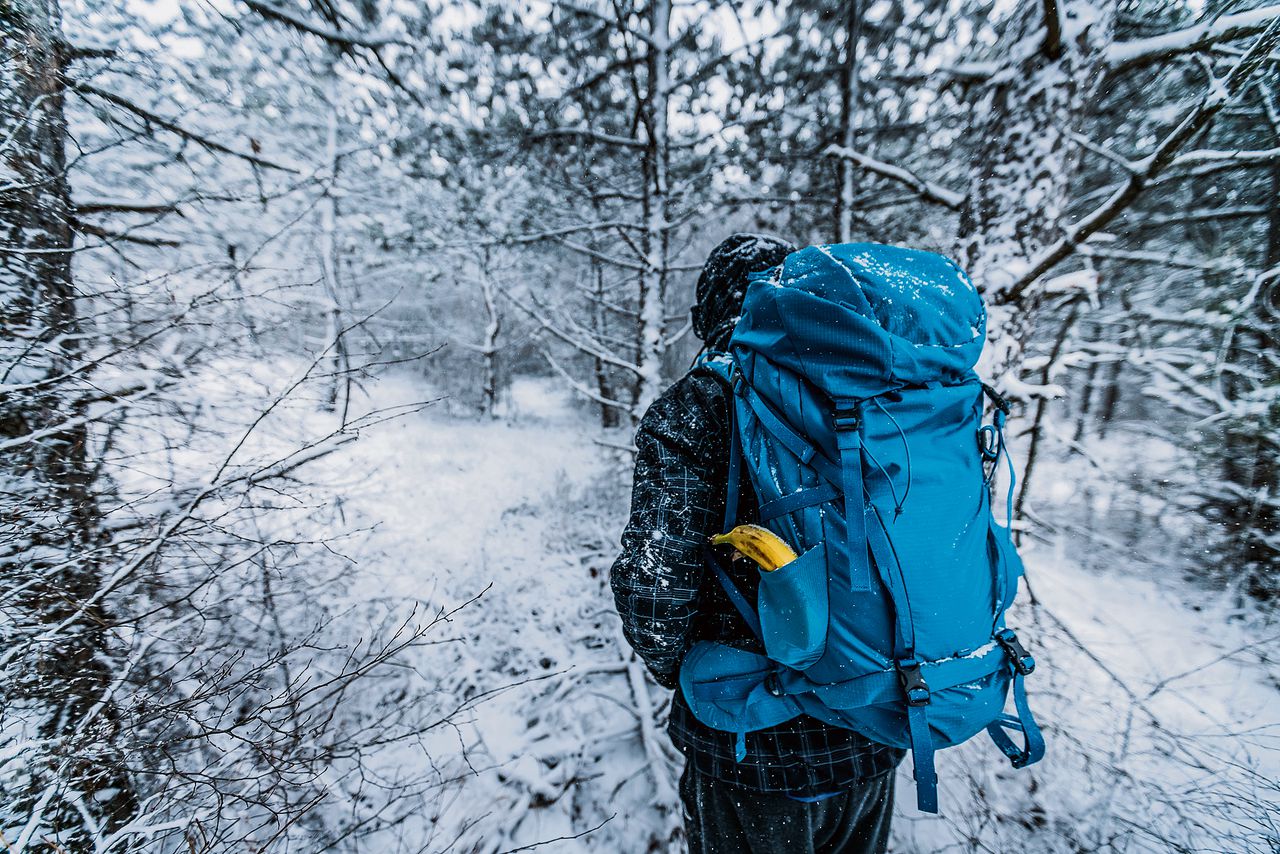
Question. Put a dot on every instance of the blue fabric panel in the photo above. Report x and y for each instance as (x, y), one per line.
(793, 609)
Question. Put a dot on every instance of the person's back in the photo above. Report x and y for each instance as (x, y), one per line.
(803, 785)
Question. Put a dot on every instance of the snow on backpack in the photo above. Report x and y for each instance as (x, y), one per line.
(859, 419)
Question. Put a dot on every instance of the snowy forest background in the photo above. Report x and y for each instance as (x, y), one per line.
(326, 324)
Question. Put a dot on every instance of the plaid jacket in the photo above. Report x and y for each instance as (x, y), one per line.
(667, 599)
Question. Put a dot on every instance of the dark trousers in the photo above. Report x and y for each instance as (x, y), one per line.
(720, 818)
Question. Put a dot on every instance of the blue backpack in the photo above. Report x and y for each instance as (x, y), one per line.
(859, 419)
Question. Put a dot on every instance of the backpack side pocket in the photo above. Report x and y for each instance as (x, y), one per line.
(794, 609)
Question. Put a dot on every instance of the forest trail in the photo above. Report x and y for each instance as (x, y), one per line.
(519, 512)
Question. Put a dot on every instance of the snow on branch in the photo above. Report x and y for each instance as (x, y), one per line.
(1211, 161)
(1226, 28)
(342, 38)
(1147, 169)
(1119, 55)
(586, 346)
(927, 190)
(173, 127)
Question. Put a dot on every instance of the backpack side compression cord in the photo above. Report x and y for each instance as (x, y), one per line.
(859, 419)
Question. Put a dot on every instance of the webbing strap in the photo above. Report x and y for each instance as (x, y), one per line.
(736, 596)
(890, 573)
(855, 554)
(794, 442)
(798, 500)
(803, 449)
(884, 685)
(869, 689)
(922, 756)
(1032, 750)
(733, 480)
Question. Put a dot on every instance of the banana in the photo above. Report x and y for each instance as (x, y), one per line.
(760, 544)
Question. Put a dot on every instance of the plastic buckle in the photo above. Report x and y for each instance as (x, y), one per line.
(773, 685)
(913, 684)
(1023, 661)
(997, 399)
(846, 418)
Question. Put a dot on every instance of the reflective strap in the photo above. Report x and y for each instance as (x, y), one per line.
(855, 556)
(922, 757)
(1032, 750)
(797, 501)
(735, 595)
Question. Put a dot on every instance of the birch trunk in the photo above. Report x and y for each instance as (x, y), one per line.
(653, 280)
(340, 381)
(489, 344)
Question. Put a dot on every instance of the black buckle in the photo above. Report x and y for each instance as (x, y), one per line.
(1023, 661)
(997, 399)
(846, 418)
(773, 685)
(913, 684)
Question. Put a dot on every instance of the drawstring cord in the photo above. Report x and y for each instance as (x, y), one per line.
(906, 449)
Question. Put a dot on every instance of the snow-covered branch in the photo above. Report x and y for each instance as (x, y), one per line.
(341, 38)
(928, 190)
(1150, 167)
(1225, 28)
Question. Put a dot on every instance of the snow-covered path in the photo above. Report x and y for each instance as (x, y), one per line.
(524, 513)
(1162, 720)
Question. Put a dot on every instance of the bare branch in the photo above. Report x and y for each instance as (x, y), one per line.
(173, 127)
(584, 390)
(589, 135)
(130, 236)
(98, 206)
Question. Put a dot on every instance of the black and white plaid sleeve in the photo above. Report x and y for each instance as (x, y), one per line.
(677, 501)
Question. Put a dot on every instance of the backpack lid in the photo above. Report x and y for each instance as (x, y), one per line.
(860, 319)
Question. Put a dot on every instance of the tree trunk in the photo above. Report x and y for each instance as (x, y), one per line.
(48, 496)
(653, 280)
(489, 345)
(340, 380)
(599, 326)
(1023, 164)
(848, 119)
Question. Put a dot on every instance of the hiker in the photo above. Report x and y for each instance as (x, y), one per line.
(803, 785)
(846, 446)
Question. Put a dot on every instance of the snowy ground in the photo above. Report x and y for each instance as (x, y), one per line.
(1162, 720)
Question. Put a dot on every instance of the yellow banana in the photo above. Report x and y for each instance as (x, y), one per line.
(760, 544)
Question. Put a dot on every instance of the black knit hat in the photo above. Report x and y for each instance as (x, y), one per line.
(723, 283)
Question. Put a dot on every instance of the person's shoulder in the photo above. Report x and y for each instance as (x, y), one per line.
(699, 396)
(703, 384)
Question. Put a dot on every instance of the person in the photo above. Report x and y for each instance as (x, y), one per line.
(802, 786)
